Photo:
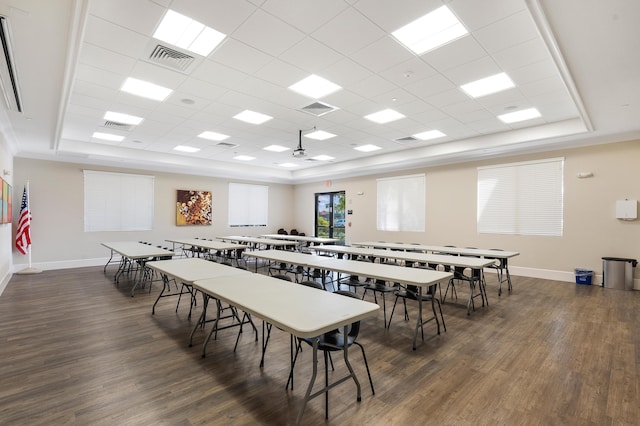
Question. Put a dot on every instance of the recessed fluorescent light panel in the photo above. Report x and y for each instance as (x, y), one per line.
(276, 148)
(384, 116)
(118, 117)
(486, 86)
(289, 165)
(107, 137)
(323, 157)
(186, 33)
(320, 135)
(183, 148)
(431, 134)
(145, 89)
(433, 30)
(212, 136)
(514, 117)
(315, 87)
(244, 158)
(367, 148)
(252, 117)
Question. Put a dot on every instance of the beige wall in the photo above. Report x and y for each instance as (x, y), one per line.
(6, 238)
(590, 228)
(57, 230)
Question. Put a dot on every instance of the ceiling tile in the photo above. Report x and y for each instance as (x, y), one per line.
(306, 15)
(348, 32)
(310, 55)
(279, 37)
(240, 56)
(519, 26)
(382, 54)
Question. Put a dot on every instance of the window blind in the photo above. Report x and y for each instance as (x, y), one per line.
(401, 203)
(118, 201)
(521, 198)
(248, 205)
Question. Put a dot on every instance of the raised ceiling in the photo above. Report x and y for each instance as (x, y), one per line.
(572, 60)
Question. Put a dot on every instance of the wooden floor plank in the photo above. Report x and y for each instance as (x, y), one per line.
(75, 349)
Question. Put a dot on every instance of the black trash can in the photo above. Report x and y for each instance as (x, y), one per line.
(617, 272)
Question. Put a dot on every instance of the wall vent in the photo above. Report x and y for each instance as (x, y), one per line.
(170, 58)
(8, 74)
(318, 109)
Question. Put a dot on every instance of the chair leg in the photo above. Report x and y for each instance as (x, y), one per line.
(441, 316)
(366, 364)
(392, 311)
(451, 285)
(326, 385)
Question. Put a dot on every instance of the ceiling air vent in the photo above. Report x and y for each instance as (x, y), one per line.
(8, 75)
(318, 109)
(115, 125)
(171, 58)
(406, 140)
(226, 145)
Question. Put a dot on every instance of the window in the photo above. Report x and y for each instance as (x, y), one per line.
(521, 198)
(117, 202)
(401, 203)
(248, 205)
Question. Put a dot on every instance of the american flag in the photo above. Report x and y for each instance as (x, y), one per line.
(23, 236)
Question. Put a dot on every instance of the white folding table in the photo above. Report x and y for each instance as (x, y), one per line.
(287, 306)
(215, 245)
(131, 252)
(421, 278)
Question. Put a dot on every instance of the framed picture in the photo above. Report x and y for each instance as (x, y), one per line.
(2, 200)
(7, 207)
(193, 208)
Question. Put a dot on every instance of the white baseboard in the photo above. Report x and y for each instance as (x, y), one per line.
(545, 274)
(4, 282)
(65, 264)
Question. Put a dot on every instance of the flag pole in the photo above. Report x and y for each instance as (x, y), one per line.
(30, 269)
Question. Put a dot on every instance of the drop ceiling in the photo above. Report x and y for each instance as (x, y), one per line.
(572, 60)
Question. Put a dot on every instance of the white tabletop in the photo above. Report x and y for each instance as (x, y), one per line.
(296, 309)
(359, 251)
(441, 259)
(208, 244)
(292, 257)
(401, 274)
(136, 250)
(498, 254)
(305, 238)
(190, 269)
(258, 240)
(393, 273)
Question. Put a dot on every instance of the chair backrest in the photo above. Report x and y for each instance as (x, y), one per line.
(312, 284)
(282, 277)
(294, 232)
(282, 231)
(355, 327)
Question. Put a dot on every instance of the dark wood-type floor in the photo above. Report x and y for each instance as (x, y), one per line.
(74, 349)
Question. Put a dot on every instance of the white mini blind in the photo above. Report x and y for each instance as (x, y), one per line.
(521, 198)
(248, 205)
(401, 203)
(118, 201)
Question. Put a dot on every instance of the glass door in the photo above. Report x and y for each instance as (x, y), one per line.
(330, 215)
